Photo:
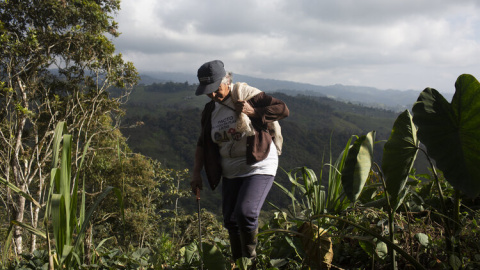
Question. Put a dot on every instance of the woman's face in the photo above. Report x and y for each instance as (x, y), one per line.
(219, 95)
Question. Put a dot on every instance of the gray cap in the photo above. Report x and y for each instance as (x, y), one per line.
(210, 76)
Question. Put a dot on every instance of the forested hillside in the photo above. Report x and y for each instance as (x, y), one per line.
(163, 121)
(94, 168)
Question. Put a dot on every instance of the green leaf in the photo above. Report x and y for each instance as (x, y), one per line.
(103, 241)
(399, 155)
(286, 191)
(455, 262)
(30, 229)
(451, 132)
(399, 200)
(367, 246)
(190, 252)
(422, 239)
(314, 195)
(59, 222)
(278, 262)
(59, 130)
(243, 263)
(82, 204)
(65, 190)
(19, 191)
(358, 165)
(336, 199)
(81, 218)
(7, 243)
(213, 258)
(381, 250)
(10, 232)
(67, 251)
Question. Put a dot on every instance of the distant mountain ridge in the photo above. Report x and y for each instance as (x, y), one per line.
(396, 100)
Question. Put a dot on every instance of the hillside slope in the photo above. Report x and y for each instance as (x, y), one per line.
(316, 127)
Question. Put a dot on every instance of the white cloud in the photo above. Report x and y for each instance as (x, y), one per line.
(406, 44)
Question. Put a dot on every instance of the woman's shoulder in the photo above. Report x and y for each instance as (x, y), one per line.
(209, 106)
(242, 91)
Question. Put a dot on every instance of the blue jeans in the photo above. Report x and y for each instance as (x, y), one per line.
(242, 200)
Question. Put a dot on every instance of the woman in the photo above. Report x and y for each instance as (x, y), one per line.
(236, 145)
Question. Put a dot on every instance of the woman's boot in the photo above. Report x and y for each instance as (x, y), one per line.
(249, 244)
(235, 246)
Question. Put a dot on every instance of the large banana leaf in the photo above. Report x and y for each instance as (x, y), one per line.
(451, 132)
(399, 154)
(357, 166)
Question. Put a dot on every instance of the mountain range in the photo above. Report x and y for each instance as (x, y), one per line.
(396, 100)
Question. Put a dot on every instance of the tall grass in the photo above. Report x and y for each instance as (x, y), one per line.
(62, 205)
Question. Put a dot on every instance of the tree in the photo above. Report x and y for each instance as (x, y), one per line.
(56, 64)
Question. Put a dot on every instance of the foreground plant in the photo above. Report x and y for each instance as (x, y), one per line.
(61, 207)
(309, 201)
(354, 170)
(57, 62)
(451, 134)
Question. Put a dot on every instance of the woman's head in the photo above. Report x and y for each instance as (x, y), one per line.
(210, 76)
(223, 89)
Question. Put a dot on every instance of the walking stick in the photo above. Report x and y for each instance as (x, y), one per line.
(200, 229)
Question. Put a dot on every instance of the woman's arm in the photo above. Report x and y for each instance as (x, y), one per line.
(268, 108)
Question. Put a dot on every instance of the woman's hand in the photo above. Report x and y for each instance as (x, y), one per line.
(245, 107)
(196, 182)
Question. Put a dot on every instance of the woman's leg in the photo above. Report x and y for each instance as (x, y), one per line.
(250, 199)
(242, 200)
(230, 188)
(251, 196)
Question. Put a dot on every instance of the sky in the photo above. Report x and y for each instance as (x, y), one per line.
(394, 44)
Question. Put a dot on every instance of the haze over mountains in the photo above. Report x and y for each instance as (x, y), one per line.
(396, 100)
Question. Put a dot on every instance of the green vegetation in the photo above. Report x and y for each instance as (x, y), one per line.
(356, 214)
(360, 201)
(68, 36)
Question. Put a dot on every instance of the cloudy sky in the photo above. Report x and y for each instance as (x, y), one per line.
(396, 44)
